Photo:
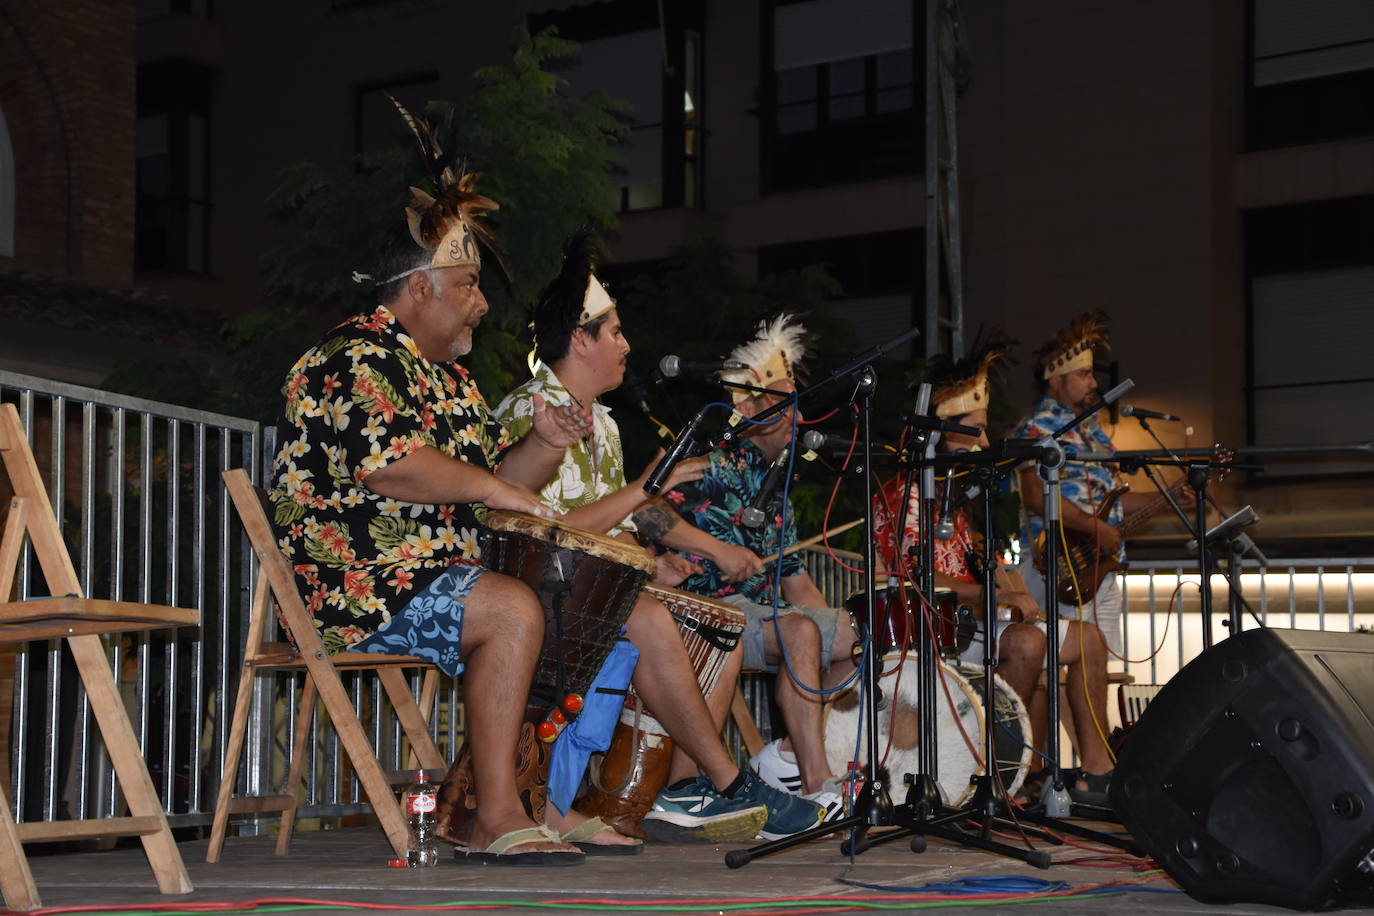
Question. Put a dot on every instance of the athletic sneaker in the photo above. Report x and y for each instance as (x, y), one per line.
(787, 814)
(777, 767)
(695, 812)
(830, 803)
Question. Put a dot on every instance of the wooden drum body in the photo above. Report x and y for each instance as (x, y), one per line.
(587, 585)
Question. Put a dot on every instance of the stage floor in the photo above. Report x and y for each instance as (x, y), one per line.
(350, 866)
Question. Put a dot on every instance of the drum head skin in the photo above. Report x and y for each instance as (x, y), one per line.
(562, 535)
(959, 729)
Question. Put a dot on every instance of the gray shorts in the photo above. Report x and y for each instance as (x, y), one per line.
(758, 616)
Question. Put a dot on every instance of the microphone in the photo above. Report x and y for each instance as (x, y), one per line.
(754, 514)
(1130, 410)
(682, 445)
(817, 441)
(672, 366)
(944, 528)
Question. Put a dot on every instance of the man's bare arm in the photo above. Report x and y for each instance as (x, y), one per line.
(429, 477)
(658, 522)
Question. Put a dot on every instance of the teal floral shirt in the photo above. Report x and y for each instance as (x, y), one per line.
(714, 503)
(360, 400)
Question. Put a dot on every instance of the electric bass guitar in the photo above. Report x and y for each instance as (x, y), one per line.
(1081, 567)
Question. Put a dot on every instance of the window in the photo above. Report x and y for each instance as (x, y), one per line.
(7, 190)
(840, 93)
(656, 65)
(173, 201)
(1311, 71)
(376, 125)
(1311, 285)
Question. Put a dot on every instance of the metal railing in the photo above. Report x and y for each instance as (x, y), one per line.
(135, 487)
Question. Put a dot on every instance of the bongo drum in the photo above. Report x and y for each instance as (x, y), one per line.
(956, 729)
(587, 585)
(623, 782)
(896, 607)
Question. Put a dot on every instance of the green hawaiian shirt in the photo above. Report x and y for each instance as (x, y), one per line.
(361, 399)
(592, 468)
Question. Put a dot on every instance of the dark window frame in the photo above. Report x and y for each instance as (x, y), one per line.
(610, 18)
(177, 90)
(773, 145)
(1307, 248)
(1264, 106)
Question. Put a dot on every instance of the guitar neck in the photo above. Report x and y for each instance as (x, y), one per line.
(1149, 510)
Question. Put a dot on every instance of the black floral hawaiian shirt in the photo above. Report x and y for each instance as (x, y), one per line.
(361, 399)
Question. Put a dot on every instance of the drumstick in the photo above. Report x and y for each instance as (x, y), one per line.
(815, 540)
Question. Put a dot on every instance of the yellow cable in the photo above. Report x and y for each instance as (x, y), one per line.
(1083, 668)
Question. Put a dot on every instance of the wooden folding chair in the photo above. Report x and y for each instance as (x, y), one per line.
(275, 579)
(80, 621)
(1131, 700)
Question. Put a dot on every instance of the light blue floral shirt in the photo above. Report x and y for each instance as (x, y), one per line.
(1083, 485)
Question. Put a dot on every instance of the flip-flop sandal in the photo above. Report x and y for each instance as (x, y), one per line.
(498, 853)
(581, 835)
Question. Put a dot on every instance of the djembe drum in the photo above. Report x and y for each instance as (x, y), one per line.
(623, 783)
(587, 585)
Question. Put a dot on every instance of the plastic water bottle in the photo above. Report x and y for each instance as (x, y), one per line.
(421, 802)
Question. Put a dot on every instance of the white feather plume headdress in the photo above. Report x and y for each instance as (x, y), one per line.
(775, 353)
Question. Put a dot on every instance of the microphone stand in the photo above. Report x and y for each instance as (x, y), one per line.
(1237, 545)
(873, 805)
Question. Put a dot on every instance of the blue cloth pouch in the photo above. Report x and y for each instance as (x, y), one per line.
(592, 729)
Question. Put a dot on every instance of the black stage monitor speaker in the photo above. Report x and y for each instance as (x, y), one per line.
(1250, 777)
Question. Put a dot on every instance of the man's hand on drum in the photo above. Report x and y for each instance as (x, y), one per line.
(560, 427)
(673, 568)
(507, 495)
(1021, 602)
(736, 563)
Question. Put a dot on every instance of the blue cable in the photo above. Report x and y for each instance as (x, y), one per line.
(777, 573)
(990, 884)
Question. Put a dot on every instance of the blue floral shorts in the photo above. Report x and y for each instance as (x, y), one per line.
(431, 625)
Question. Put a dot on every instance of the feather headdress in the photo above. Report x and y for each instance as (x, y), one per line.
(775, 353)
(573, 298)
(1072, 348)
(576, 295)
(448, 225)
(962, 385)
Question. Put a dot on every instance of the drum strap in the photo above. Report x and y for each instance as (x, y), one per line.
(724, 640)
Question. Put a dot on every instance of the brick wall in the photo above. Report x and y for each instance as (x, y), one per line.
(67, 75)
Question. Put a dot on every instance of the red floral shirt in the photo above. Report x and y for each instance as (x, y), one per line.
(951, 557)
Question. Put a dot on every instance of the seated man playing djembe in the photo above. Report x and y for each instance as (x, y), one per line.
(581, 352)
(387, 452)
